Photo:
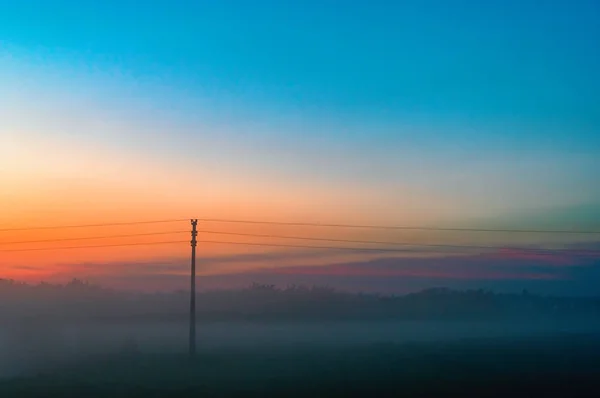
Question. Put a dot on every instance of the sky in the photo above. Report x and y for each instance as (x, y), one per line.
(420, 113)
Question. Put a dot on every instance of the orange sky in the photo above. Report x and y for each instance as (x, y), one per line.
(97, 152)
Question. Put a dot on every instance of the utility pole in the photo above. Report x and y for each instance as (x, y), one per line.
(192, 342)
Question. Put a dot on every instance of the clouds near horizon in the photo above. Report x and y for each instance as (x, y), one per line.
(563, 272)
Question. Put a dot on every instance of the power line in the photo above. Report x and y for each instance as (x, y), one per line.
(94, 246)
(306, 224)
(390, 242)
(91, 237)
(212, 241)
(384, 227)
(374, 249)
(369, 249)
(308, 246)
(303, 246)
(93, 225)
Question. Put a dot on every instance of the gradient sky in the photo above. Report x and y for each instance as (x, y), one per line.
(463, 113)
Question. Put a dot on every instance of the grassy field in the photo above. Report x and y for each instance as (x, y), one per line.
(565, 365)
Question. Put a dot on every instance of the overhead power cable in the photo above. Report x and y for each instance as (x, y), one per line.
(370, 249)
(384, 227)
(212, 241)
(94, 246)
(91, 238)
(93, 225)
(391, 243)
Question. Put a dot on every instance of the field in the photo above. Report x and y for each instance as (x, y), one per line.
(563, 364)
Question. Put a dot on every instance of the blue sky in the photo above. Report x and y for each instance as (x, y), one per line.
(493, 60)
(492, 63)
(504, 81)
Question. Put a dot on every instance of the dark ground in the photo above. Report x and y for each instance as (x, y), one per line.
(563, 366)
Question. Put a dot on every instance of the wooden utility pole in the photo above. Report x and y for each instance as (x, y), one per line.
(192, 342)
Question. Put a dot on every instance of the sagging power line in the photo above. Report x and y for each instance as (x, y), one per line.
(383, 249)
(93, 246)
(392, 243)
(212, 241)
(392, 227)
(93, 225)
(273, 236)
(91, 238)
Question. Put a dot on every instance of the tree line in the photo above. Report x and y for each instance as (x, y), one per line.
(80, 300)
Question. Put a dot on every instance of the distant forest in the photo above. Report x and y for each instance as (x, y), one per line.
(81, 301)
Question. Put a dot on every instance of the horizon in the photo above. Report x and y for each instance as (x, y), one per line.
(293, 287)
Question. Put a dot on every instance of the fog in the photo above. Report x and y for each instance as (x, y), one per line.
(32, 347)
(48, 328)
